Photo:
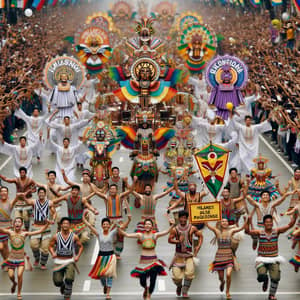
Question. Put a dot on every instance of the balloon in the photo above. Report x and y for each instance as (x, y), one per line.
(285, 16)
(229, 105)
(276, 24)
(28, 12)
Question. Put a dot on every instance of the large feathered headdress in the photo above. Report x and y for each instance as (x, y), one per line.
(145, 24)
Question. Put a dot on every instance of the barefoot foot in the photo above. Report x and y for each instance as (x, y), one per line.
(13, 287)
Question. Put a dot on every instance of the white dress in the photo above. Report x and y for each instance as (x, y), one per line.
(65, 159)
(22, 155)
(34, 126)
(248, 142)
(64, 101)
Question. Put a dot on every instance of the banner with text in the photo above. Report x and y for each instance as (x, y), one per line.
(205, 212)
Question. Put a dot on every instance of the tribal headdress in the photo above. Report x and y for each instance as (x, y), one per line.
(260, 159)
(145, 25)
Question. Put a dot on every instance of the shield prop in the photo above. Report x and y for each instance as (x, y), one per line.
(212, 161)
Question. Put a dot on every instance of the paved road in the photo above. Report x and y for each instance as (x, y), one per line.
(38, 284)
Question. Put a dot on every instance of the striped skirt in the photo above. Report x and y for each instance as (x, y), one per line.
(147, 265)
(105, 266)
(3, 237)
(77, 228)
(223, 259)
(295, 261)
(13, 264)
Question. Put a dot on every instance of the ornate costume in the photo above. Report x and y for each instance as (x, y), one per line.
(224, 255)
(226, 75)
(149, 264)
(93, 47)
(260, 181)
(183, 266)
(102, 141)
(16, 257)
(64, 75)
(197, 45)
(105, 265)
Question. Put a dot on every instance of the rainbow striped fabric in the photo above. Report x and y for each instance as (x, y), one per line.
(276, 2)
(255, 3)
(268, 245)
(38, 4)
(297, 5)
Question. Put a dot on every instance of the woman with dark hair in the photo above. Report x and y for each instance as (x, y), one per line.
(105, 265)
(149, 265)
(224, 258)
(16, 257)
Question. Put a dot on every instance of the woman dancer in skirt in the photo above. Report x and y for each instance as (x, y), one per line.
(150, 265)
(105, 265)
(16, 257)
(224, 256)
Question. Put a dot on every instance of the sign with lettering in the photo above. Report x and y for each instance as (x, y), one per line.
(216, 68)
(204, 212)
(66, 65)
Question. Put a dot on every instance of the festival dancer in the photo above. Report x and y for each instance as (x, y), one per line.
(191, 196)
(43, 208)
(115, 202)
(148, 205)
(5, 219)
(62, 249)
(229, 213)
(237, 189)
(150, 265)
(22, 154)
(105, 265)
(260, 180)
(82, 115)
(16, 257)
(53, 189)
(86, 188)
(268, 259)
(122, 185)
(63, 97)
(211, 131)
(294, 184)
(182, 173)
(183, 266)
(34, 125)
(89, 92)
(115, 178)
(224, 259)
(65, 158)
(265, 207)
(249, 140)
(295, 261)
(76, 205)
(24, 185)
(67, 129)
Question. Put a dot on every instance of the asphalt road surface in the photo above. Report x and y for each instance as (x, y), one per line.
(38, 284)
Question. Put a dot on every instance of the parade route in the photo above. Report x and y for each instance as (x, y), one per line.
(38, 284)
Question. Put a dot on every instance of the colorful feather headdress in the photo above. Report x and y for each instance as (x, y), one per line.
(145, 23)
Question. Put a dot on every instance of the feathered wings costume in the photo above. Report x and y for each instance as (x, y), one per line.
(161, 90)
(128, 136)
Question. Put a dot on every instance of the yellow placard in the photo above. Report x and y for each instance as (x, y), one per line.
(204, 212)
